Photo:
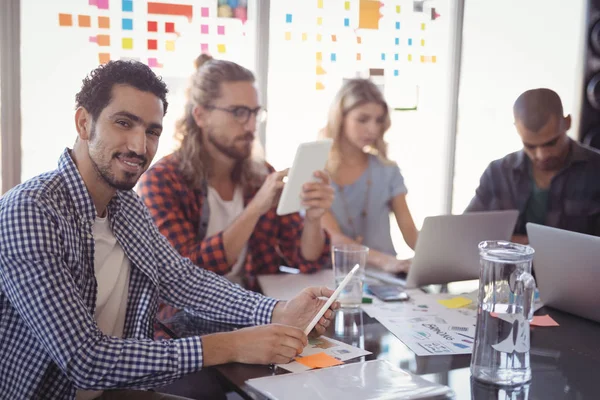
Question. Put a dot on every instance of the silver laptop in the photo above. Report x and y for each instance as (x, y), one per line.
(567, 269)
(447, 249)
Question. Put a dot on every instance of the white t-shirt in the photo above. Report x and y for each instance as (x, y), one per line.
(222, 215)
(111, 268)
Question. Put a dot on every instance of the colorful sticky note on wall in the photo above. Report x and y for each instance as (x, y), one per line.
(204, 47)
(220, 30)
(333, 57)
(409, 57)
(347, 5)
(127, 43)
(319, 20)
(93, 39)
(288, 36)
(84, 21)
(358, 56)
(396, 56)
(170, 27)
(422, 59)
(397, 9)
(221, 48)
(423, 26)
(319, 56)
(204, 29)
(422, 42)
(397, 41)
(288, 18)
(368, 15)
(103, 40)
(65, 20)
(397, 24)
(152, 44)
(101, 4)
(127, 24)
(382, 56)
(127, 5)
(333, 38)
(304, 37)
(358, 39)
(319, 3)
(204, 12)
(319, 37)
(433, 59)
(153, 63)
(346, 21)
(410, 42)
(103, 58)
(152, 26)
(320, 70)
(104, 22)
(170, 45)
(320, 86)
(396, 72)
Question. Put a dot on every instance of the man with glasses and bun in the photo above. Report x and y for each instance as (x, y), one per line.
(552, 181)
(214, 199)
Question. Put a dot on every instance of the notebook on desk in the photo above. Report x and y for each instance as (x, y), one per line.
(375, 379)
(567, 269)
(447, 249)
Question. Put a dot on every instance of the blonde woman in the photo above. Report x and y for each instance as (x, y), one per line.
(368, 186)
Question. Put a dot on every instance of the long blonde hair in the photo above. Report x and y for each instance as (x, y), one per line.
(353, 93)
(204, 88)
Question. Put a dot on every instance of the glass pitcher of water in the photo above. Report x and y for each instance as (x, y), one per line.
(506, 295)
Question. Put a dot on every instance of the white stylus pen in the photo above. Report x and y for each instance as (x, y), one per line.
(330, 301)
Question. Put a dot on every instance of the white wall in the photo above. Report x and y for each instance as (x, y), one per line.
(510, 46)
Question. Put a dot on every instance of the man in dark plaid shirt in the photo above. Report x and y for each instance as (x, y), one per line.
(58, 341)
(553, 181)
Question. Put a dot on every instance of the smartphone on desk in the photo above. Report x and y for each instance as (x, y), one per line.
(388, 292)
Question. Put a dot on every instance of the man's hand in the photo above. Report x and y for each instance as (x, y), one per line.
(269, 192)
(317, 197)
(266, 344)
(395, 266)
(300, 310)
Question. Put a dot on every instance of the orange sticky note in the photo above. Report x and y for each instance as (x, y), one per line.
(304, 37)
(320, 86)
(319, 360)
(288, 36)
(104, 58)
(333, 38)
(543, 320)
(65, 20)
(103, 40)
(368, 15)
(358, 56)
(103, 22)
(358, 40)
(84, 21)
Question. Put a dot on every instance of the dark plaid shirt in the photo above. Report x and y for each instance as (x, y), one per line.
(574, 193)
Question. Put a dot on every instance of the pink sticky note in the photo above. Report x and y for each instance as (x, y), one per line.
(204, 47)
(93, 39)
(153, 63)
(92, 2)
(543, 320)
(204, 12)
(204, 29)
(220, 30)
(102, 4)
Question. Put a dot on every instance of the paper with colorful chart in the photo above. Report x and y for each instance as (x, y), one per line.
(430, 324)
(322, 349)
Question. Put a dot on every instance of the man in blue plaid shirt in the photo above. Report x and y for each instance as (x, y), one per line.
(82, 267)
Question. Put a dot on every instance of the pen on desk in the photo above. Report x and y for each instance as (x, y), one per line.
(288, 270)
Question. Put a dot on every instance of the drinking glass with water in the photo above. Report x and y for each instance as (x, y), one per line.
(344, 258)
(506, 296)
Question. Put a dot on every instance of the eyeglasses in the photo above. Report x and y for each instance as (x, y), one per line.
(242, 113)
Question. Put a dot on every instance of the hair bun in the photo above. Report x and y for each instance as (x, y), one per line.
(202, 59)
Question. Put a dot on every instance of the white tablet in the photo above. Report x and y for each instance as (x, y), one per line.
(310, 157)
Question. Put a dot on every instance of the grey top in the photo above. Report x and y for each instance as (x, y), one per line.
(386, 183)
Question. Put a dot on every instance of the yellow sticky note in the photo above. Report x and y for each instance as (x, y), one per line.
(319, 360)
(319, 21)
(319, 37)
(304, 37)
(127, 43)
(288, 36)
(319, 56)
(221, 48)
(170, 45)
(397, 9)
(422, 59)
(410, 57)
(422, 42)
(423, 26)
(433, 59)
(456, 302)
(347, 5)
(319, 3)
(320, 86)
(320, 70)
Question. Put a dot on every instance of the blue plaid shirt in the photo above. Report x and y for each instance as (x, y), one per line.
(50, 344)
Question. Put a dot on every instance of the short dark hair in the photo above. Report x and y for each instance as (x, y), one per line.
(534, 108)
(96, 90)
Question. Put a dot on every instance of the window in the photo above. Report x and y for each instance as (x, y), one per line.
(314, 45)
(80, 34)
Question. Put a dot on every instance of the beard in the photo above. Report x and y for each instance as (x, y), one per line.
(231, 150)
(104, 171)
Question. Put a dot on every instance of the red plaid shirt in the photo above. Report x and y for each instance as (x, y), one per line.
(176, 209)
